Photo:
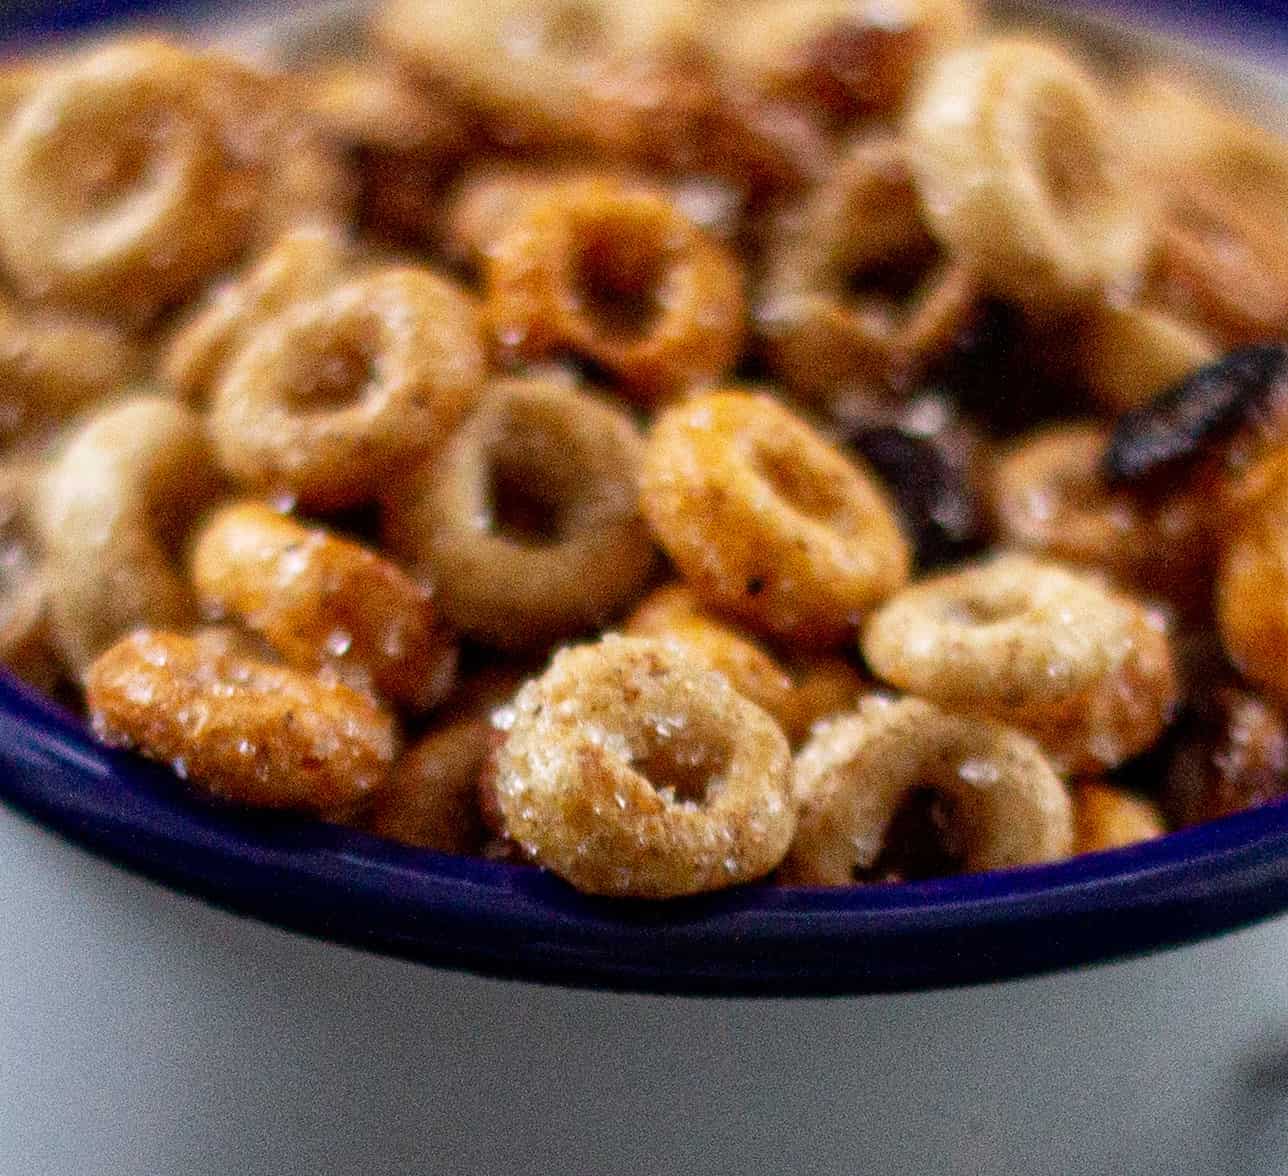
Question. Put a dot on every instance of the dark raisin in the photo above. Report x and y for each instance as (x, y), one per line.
(923, 840)
(1187, 421)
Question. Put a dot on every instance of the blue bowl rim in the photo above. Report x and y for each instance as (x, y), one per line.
(518, 922)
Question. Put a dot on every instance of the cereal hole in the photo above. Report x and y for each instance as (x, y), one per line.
(522, 509)
(617, 276)
(923, 840)
(1069, 161)
(889, 282)
(681, 765)
(338, 375)
(981, 611)
(803, 488)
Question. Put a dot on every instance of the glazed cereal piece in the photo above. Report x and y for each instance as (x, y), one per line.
(113, 510)
(298, 267)
(330, 398)
(244, 731)
(630, 770)
(432, 801)
(527, 522)
(837, 59)
(766, 520)
(1232, 755)
(1022, 174)
(115, 195)
(1048, 497)
(1086, 671)
(1105, 817)
(857, 295)
(850, 780)
(320, 600)
(615, 274)
(672, 614)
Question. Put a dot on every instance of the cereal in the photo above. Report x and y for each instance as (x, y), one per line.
(241, 730)
(825, 685)
(527, 522)
(851, 777)
(1105, 817)
(325, 398)
(766, 520)
(629, 769)
(320, 600)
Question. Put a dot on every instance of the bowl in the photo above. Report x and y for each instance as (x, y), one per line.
(519, 922)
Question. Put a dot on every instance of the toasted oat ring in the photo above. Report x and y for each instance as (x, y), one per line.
(26, 641)
(329, 397)
(320, 600)
(672, 614)
(112, 184)
(527, 522)
(615, 273)
(851, 777)
(766, 520)
(628, 769)
(825, 685)
(112, 511)
(298, 267)
(1022, 175)
(1105, 817)
(830, 322)
(242, 730)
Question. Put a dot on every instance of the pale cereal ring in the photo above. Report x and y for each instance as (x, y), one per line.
(1021, 172)
(838, 59)
(113, 190)
(298, 267)
(113, 510)
(242, 730)
(857, 296)
(320, 600)
(330, 397)
(766, 520)
(854, 773)
(615, 273)
(672, 614)
(628, 769)
(1105, 817)
(527, 522)
(432, 799)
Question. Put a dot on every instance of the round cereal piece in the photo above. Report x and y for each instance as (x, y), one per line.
(112, 511)
(839, 59)
(672, 614)
(527, 522)
(766, 520)
(1018, 162)
(320, 600)
(1105, 817)
(531, 70)
(114, 192)
(825, 685)
(26, 639)
(244, 731)
(328, 398)
(857, 296)
(630, 770)
(432, 799)
(856, 771)
(616, 274)
(300, 266)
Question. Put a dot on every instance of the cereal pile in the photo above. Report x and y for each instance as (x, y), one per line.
(674, 444)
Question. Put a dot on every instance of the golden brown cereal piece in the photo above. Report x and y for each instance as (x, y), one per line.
(672, 614)
(1105, 817)
(242, 730)
(852, 776)
(26, 642)
(616, 274)
(320, 600)
(432, 800)
(113, 510)
(115, 194)
(330, 398)
(1086, 671)
(1048, 498)
(825, 685)
(1021, 172)
(837, 58)
(766, 520)
(858, 297)
(298, 267)
(630, 770)
(527, 522)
